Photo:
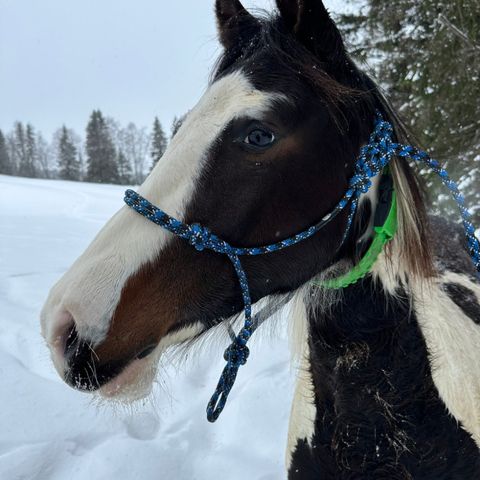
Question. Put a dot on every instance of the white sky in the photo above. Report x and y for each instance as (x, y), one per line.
(59, 59)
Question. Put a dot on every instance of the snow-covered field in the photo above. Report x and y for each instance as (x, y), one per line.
(50, 432)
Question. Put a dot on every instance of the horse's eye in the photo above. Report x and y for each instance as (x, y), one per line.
(260, 138)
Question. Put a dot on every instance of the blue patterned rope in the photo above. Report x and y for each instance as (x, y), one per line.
(373, 158)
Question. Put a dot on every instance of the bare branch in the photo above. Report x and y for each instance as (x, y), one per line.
(463, 36)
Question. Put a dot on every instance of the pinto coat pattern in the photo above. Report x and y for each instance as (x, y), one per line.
(389, 385)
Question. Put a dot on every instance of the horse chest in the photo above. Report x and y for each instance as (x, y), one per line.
(379, 413)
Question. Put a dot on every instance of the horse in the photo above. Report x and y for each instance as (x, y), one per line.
(388, 385)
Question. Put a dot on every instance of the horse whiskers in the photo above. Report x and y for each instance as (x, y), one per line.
(93, 368)
(89, 345)
(90, 384)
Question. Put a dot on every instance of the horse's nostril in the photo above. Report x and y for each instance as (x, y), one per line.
(82, 372)
(77, 360)
(146, 352)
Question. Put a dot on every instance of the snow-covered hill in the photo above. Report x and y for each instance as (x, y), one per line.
(50, 432)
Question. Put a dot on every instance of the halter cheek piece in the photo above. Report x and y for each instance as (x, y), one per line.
(373, 159)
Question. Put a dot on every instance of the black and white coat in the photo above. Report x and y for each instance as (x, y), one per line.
(389, 384)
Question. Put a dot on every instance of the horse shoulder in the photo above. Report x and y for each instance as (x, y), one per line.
(448, 312)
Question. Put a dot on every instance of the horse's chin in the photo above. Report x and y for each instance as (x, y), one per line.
(134, 383)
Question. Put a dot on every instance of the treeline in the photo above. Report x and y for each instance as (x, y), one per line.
(109, 153)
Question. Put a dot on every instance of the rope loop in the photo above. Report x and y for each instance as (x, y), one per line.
(236, 355)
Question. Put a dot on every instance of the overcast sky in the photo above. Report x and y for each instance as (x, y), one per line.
(133, 59)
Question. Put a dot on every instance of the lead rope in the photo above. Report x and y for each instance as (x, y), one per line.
(274, 305)
(373, 158)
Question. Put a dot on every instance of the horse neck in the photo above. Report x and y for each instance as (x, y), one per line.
(365, 386)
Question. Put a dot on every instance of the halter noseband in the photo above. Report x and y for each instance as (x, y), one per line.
(374, 157)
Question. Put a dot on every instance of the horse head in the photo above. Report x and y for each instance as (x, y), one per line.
(267, 152)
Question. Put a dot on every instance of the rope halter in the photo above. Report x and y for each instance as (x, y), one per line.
(373, 159)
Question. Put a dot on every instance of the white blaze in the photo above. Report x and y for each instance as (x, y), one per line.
(91, 289)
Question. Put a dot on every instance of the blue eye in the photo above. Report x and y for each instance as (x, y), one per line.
(260, 138)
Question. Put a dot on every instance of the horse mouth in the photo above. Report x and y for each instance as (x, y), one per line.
(134, 382)
(131, 381)
(83, 366)
(83, 372)
(145, 353)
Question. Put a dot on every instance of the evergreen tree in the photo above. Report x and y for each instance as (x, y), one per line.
(5, 164)
(159, 142)
(101, 154)
(30, 167)
(426, 55)
(68, 164)
(124, 169)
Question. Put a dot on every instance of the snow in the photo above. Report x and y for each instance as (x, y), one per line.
(51, 432)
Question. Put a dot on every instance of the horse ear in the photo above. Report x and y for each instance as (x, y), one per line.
(234, 22)
(289, 12)
(312, 25)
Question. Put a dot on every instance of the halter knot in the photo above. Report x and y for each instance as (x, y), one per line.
(200, 237)
(236, 354)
